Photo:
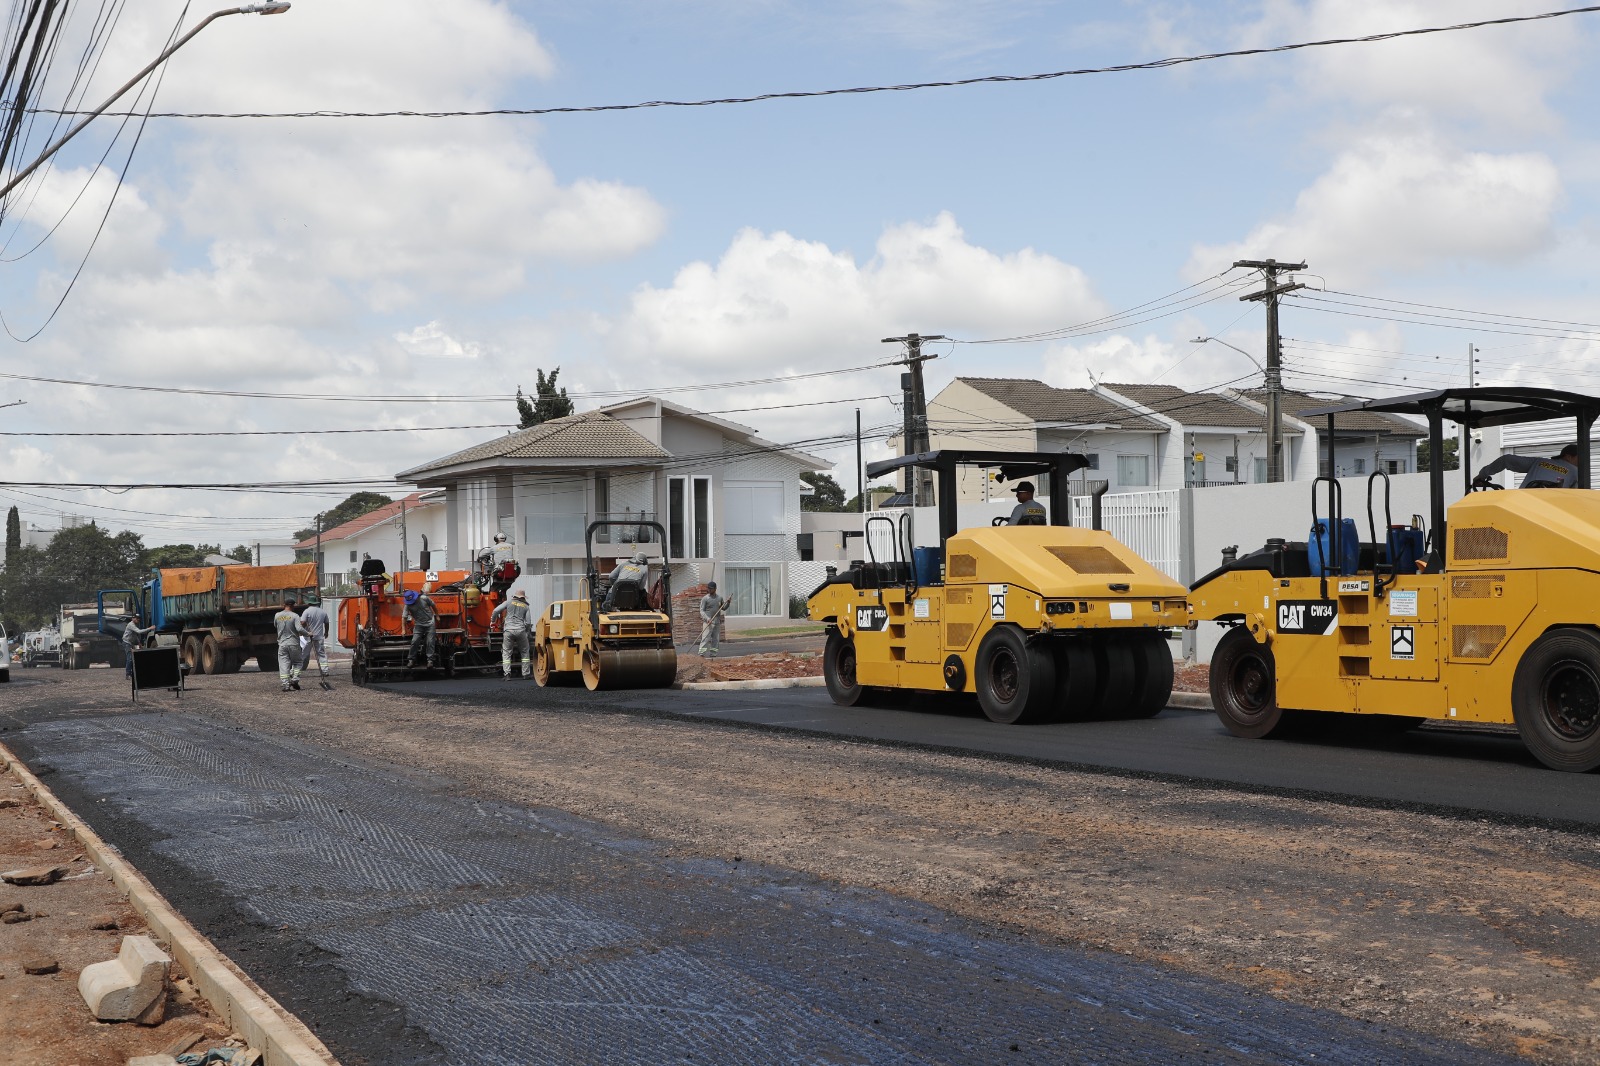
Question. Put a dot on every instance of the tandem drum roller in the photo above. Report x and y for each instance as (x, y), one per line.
(614, 668)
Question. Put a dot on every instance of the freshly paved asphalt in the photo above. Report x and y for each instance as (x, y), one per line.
(1447, 769)
(412, 925)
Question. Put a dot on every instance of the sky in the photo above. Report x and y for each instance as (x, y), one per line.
(1444, 192)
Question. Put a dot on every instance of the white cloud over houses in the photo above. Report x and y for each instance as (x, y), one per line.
(1403, 199)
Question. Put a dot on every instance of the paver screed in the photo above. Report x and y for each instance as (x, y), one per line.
(513, 935)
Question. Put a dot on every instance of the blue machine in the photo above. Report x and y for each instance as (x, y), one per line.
(1406, 546)
(1323, 562)
(926, 565)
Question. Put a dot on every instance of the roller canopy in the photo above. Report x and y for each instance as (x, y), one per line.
(1477, 407)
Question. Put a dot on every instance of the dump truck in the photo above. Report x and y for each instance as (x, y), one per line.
(92, 633)
(1486, 614)
(374, 625)
(220, 616)
(41, 647)
(624, 645)
(1042, 623)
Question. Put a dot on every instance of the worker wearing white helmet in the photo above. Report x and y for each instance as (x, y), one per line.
(627, 583)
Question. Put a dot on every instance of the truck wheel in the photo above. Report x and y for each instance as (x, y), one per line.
(1244, 686)
(1016, 681)
(211, 655)
(1152, 670)
(191, 654)
(267, 661)
(1555, 699)
(839, 670)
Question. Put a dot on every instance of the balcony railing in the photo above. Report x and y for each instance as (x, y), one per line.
(629, 533)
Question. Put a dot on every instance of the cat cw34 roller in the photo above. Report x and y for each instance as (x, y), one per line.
(1493, 617)
(628, 645)
(1042, 622)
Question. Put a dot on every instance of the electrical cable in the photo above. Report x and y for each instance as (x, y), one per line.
(1157, 64)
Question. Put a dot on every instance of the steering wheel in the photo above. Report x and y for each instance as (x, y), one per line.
(1485, 486)
(1001, 520)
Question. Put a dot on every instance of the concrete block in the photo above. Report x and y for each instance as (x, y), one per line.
(123, 988)
(153, 1060)
(34, 875)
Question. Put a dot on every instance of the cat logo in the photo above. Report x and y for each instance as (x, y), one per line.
(872, 619)
(1306, 616)
(1403, 642)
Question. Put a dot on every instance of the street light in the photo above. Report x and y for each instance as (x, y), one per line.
(272, 7)
(1235, 347)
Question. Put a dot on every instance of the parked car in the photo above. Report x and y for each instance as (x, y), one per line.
(5, 655)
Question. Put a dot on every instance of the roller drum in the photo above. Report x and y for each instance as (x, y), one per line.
(613, 668)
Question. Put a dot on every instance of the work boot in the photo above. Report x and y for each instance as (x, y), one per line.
(505, 677)
(286, 688)
(295, 685)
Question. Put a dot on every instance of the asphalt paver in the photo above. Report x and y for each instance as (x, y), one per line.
(516, 935)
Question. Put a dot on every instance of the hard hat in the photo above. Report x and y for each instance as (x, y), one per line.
(427, 587)
(410, 597)
(500, 538)
(640, 557)
(520, 595)
(1023, 486)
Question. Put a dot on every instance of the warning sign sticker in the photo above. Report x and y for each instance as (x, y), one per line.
(997, 601)
(1403, 603)
(1403, 642)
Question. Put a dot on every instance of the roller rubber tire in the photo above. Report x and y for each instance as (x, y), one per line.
(1016, 680)
(1153, 670)
(839, 670)
(1077, 678)
(1244, 686)
(1119, 679)
(1555, 699)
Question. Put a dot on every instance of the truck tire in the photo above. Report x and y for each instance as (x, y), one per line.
(191, 654)
(1016, 679)
(1555, 700)
(267, 661)
(212, 655)
(1244, 686)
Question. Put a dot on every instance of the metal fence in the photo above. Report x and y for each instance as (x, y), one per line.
(1147, 522)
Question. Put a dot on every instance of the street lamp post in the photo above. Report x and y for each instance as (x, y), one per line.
(1267, 380)
(275, 7)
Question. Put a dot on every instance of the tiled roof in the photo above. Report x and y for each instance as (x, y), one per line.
(1190, 408)
(1354, 422)
(1045, 403)
(365, 522)
(590, 435)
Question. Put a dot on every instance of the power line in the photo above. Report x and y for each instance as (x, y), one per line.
(1156, 64)
(251, 432)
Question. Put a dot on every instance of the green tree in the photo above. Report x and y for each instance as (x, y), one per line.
(547, 402)
(242, 553)
(169, 556)
(1452, 461)
(826, 493)
(354, 506)
(13, 532)
(75, 565)
(875, 493)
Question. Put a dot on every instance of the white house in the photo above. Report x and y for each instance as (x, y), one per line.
(728, 501)
(396, 533)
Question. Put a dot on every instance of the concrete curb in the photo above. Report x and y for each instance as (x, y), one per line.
(1191, 701)
(282, 1039)
(759, 683)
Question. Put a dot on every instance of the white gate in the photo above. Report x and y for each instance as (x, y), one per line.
(1147, 522)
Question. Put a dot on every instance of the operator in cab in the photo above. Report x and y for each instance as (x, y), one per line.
(1028, 511)
(1557, 472)
(627, 583)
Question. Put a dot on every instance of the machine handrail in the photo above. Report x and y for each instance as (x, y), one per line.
(594, 575)
(1389, 548)
(872, 556)
(1331, 559)
(905, 530)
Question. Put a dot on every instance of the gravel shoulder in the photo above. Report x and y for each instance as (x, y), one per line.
(1472, 930)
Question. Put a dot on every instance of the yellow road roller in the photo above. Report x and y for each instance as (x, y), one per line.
(1043, 622)
(1487, 615)
(624, 643)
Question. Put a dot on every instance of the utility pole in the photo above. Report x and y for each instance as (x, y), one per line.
(1464, 454)
(861, 485)
(1270, 269)
(319, 563)
(402, 533)
(919, 483)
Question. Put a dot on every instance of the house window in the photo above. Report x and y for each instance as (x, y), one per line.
(1133, 470)
(1395, 466)
(750, 589)
(1094, 460)
(689, 517)
(1261, 471)
(1361, 466)
(352, 557)
(752, 506)
(555, 512)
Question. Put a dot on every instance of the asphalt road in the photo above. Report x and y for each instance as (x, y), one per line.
(413, 925)
(1448, 769)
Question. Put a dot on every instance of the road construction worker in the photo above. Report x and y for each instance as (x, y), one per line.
(627, 583)
(315, 621)
(424, 615)
(290, 630)
(133, 637)
(1028, 511)
(1557, 472)
(514, 633)
(712, 607)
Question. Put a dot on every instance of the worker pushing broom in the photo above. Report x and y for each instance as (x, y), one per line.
(712, 608)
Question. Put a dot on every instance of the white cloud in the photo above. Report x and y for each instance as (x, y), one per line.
(430, 339)
(1404, 200)
(1500, 75)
